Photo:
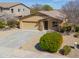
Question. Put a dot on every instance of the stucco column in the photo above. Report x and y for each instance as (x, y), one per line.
(49, 24)
(41, 27)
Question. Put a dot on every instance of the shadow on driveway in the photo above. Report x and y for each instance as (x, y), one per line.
(37, 46)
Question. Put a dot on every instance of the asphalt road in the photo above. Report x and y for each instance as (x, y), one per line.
(17, 38)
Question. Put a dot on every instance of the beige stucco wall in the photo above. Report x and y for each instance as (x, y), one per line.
(64, 21)
(15, 10)
(21, 7)
(50, 24)
(5, 11)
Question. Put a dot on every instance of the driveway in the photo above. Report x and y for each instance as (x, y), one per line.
(17, 38)
(18, 53)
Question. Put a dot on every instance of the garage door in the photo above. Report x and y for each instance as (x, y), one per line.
(29, 25)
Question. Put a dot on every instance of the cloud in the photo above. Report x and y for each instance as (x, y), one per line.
(61, 0)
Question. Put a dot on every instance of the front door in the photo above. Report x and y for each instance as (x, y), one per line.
(45, 25)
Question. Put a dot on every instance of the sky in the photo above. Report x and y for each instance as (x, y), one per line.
(56, 4)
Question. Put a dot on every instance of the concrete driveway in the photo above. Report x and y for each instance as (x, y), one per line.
(17, 38)
(18, 53)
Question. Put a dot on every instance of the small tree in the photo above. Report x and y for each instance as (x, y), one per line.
(71, 9)
(51, 41)
(2, 24)
(38, 7)
(47, 7)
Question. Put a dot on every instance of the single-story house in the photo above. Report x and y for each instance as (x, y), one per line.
(44, 20)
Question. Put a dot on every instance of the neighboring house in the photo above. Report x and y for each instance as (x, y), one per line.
(44, 20)
(16, 9)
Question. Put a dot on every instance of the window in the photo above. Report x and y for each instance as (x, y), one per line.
(54, 24)
(23, 9)
(12, 10)
(1, 9)
(18, 10)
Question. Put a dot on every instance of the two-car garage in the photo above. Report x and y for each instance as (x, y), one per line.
(31, 23)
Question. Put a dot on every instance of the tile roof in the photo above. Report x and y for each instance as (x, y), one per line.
(33, 18)
(8, 5)
(55, 14)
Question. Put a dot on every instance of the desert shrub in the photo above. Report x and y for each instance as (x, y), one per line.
(76, 35)
(51, 41)
(2, 24)
(12, 23)
(68, 28)
(76, 28)
(62, 30)
(66, 50)
(65, 29)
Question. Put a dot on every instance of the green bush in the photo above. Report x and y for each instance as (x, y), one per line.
(2, 24)
(12, 23)
(68, 29)
(66, 50)
(62, 30)
(51, 41)
(65, 29)
(76, 28)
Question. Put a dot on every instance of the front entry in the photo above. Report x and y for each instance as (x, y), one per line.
(55, 26)
(45, 25)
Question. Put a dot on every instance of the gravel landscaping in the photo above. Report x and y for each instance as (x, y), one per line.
(68, 40)
(27, 40)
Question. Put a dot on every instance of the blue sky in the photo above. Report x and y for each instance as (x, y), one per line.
(56, 4)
